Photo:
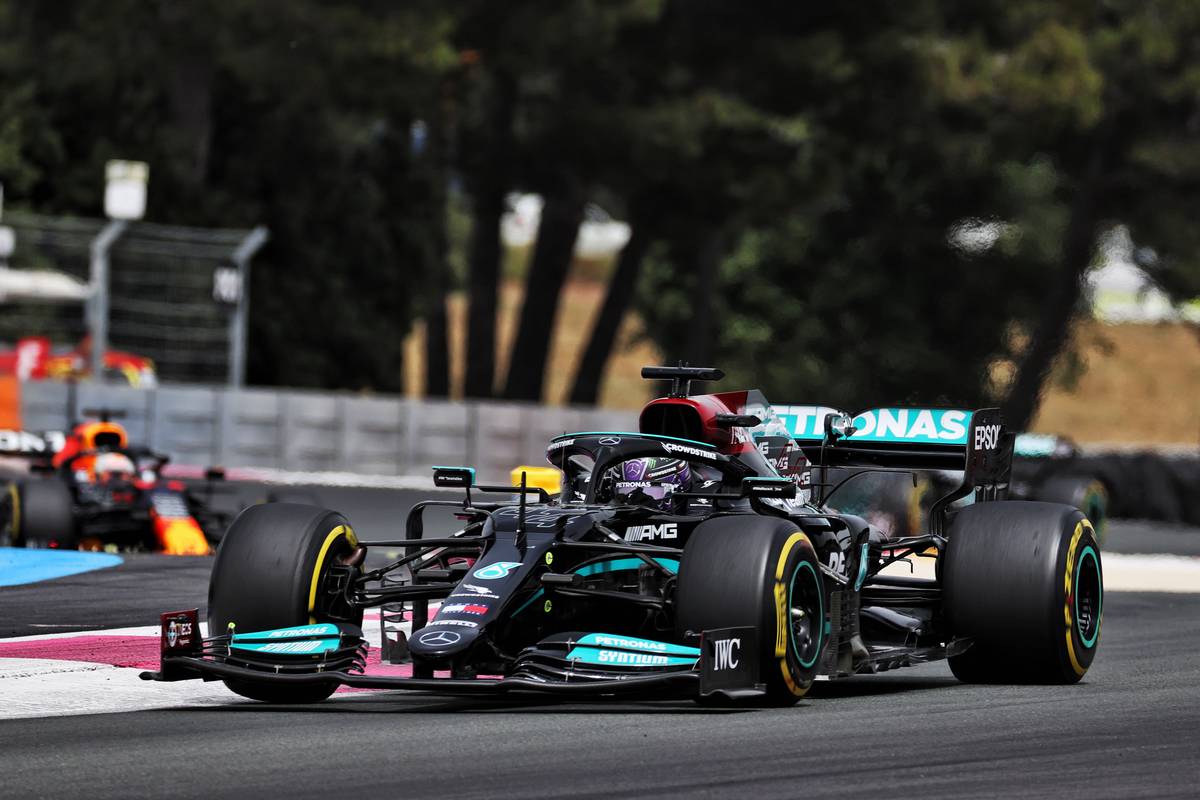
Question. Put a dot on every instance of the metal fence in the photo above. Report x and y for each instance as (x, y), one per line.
(320, 431)
(58, 244)
(173, 294)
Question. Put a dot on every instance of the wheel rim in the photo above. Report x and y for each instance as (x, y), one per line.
(807, 614)
(1089, 597)
(337, 543)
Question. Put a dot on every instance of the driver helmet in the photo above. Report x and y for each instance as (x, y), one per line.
(651, 481)
(113, 465)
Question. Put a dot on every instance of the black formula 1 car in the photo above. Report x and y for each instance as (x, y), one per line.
(696, 557)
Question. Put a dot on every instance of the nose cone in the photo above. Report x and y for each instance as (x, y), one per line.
(439, 640)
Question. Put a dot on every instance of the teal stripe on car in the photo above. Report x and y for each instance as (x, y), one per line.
(885, 425)
(614, 641)
(297, 640)
(599, 568)
(617, 564)
(862, 568)
(525, 605)
(625, 658)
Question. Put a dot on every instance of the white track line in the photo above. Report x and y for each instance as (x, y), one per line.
(40, 687)
(1135, 572)
(140, 630)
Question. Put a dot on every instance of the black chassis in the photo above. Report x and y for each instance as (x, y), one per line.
(578, 563)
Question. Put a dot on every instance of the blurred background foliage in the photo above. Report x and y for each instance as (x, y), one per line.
(866, 204)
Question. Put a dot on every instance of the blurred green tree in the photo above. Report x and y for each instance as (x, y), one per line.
(298, 115)
(1107, 97)
(544, 93)
(859, 205)
(961, 165)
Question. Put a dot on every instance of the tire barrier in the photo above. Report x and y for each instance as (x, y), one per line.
(1132, 485)
(1142, 485)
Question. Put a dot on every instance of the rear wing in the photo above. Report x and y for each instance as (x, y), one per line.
(32, 446)
(974, 442)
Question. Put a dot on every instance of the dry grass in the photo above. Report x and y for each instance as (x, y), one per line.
(1141, 384)
(622, 387)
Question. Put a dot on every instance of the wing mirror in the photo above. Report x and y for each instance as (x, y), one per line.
(769, 488)
(453, 477)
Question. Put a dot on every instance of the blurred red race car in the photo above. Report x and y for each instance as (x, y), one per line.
(34, 359)
(91, 490)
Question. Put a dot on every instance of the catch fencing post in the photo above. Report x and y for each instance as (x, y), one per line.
(98, 288)
(237, 320)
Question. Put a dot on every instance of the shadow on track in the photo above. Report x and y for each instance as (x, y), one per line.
(878, 685)
(413, 703)
(399, 702)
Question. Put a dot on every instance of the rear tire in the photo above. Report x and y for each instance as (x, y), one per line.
(267, 574)
(43, 515)
(759, 572)
(1024, 581)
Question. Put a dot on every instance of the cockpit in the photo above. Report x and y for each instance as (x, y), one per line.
(660, 472)
(688, 447)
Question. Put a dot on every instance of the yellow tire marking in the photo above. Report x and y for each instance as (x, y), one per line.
(781, 614)
(793, 687)
(1068, 604)
(782, 619)
(787, 548)
(340, 530)
(14, 528)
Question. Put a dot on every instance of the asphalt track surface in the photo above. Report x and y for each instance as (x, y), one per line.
(1131, 729)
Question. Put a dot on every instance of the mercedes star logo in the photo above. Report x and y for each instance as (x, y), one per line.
(439, 638)
(610, 440)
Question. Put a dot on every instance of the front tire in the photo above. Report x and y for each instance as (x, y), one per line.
(1024, 582)
(759, 572)
(268, 573)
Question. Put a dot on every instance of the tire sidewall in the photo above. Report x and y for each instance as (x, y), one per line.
(1012, 582)
(1080, 559)
(266, 566)
(12, 505)
(795, 564)
(44, 514)
(745, 571)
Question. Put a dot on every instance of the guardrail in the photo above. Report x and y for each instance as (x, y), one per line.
(340, 432)
(310, 431)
